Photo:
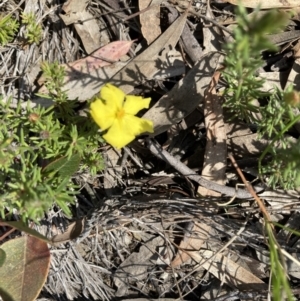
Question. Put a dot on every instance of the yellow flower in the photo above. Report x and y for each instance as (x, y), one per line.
(114, 111)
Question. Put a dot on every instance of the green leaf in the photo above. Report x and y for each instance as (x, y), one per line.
(64, 166)
(25, 269)
(2, 257)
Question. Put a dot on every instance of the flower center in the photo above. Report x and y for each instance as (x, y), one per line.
(120, 113)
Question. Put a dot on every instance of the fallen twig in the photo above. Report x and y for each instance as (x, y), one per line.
(156, 150)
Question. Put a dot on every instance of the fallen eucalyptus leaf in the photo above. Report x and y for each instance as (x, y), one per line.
(185, 96)
(150, 19)
(214, 165)
(85, 77)
(25, 269)
(144, 66)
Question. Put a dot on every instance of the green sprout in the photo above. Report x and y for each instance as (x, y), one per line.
(8, 29)
(33, 32)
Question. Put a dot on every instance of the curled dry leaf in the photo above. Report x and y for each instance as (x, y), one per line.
(227, 270)
(73, 231)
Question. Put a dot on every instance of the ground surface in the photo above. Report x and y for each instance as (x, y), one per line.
(155, 229)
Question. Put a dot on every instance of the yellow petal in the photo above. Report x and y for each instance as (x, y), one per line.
(112, 96)
(124, 130)
(102, 114)
(136, 126)
(133, 104)
(117, 136)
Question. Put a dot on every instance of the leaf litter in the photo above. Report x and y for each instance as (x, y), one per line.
(147, 233)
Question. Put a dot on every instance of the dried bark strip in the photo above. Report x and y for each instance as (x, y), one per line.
(215, 152)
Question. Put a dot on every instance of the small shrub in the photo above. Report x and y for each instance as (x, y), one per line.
(40, 150)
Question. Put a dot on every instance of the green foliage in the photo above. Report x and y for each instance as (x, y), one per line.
(8, 29)
(242, 60)
(82, 131)
(280, 285)
(33, 31)
(42, 148)
(276, 117)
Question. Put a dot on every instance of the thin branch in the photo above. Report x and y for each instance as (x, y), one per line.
(156, 150)
(251, 191)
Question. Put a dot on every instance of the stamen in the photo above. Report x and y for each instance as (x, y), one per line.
(120, 113)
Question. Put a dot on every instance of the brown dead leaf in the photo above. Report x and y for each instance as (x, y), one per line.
(185, 96)
(189, 43)
(189, 244)
(228, 271)
(271, 80)
(84, 77)
(112, 172)
(136, 265)
(73, 6)
(144, 66)
(212, 35)
(153, 62)
(241, 141)
(215, 151)
(85, 23)
(266, 3)
(100, 58)
(150, 19)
